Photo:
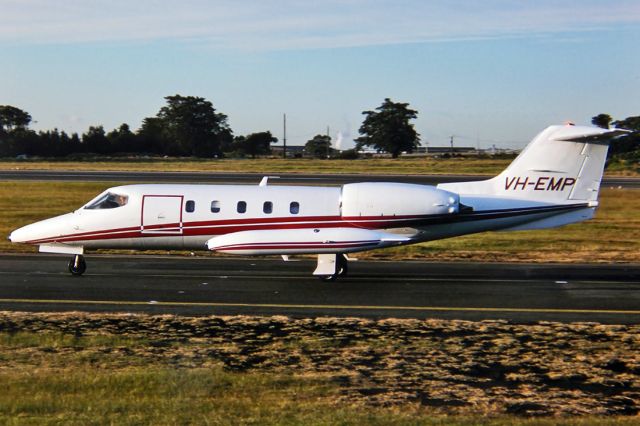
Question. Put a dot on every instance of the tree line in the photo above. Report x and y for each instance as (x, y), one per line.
(186, 126)
(189, 126)
(626, 147)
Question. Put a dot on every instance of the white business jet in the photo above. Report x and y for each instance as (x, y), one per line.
(553, 182)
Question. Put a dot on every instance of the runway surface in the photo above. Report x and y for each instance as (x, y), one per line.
(259, 286)
(254, 178)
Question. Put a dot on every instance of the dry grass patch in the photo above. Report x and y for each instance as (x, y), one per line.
(100, 369)
(406, 165)
(414, 165)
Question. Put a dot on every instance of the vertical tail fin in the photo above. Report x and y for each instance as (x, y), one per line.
(562, 164)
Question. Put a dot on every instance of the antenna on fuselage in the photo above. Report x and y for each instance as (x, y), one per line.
(265, 180)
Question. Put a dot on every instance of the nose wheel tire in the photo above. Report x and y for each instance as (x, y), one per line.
(77, 265)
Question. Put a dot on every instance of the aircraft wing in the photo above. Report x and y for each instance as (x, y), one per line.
(301, 241)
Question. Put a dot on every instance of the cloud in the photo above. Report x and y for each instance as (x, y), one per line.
(289, 24)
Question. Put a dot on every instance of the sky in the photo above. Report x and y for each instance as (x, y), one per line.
(491, 72)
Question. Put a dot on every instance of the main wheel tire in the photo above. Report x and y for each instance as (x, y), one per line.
(342, 265)
(328, 278)
(77, 266)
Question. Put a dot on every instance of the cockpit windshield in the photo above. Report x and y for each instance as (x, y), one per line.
(108, 200)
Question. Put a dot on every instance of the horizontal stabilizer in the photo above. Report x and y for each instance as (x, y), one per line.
(603, 137)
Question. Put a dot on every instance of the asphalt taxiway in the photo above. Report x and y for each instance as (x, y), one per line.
(254, 178)
(268, 286)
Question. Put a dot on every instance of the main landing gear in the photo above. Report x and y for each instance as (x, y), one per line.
(331, 266)
(77, 265)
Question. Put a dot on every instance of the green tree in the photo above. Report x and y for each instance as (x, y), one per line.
(19, 141)
(191, 126)
(69, 144)
(49, 143)
(15, 138)
(601, 120)
(629, 123)
(12, 118)
(236, 148)
(95, 141)
(254, 144)
(628, 144)
(122, 139)
(388, 129)
(319, 146)
(151, 136)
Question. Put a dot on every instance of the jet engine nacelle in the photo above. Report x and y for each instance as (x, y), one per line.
(396, 199)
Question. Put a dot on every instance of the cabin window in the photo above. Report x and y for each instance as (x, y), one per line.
(294, 207)
(267, 207)
(190, 206)
(108, 201)
(242, 206)
(215, 206)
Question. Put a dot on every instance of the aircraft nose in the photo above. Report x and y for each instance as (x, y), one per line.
(15, 236)
(26, 233)
(45, 229)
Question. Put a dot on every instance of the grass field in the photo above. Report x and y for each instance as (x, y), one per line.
(406, 165)
(613, 236)
(278, 165)
(82, 394)
(85, 395)
(83, 369)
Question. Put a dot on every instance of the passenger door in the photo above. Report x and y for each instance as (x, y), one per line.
(161, 214)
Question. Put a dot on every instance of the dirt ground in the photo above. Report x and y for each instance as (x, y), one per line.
(457, 367)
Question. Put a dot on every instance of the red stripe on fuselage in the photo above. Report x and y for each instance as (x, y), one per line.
(296, 245)
(227, 226)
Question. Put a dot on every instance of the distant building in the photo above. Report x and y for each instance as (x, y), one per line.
(439, 150)
(464, 151)
(293, 151)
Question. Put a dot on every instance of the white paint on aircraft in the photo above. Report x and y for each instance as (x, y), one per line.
(553, 182)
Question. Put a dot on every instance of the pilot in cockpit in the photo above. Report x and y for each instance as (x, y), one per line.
(109, 201)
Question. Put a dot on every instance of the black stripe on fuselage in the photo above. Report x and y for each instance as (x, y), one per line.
(489, 215)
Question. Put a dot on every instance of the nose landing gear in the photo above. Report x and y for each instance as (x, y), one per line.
(77, 265)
